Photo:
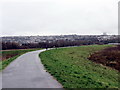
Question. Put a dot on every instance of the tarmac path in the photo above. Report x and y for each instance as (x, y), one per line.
(27, 71)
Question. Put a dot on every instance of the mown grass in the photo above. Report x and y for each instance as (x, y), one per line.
(71, 67)
(11, 55)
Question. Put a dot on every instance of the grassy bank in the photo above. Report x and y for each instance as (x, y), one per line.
(8, 56)
(71, 67)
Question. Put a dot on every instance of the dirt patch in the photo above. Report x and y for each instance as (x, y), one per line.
(108, 57)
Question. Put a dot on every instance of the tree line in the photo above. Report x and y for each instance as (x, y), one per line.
(58, 43)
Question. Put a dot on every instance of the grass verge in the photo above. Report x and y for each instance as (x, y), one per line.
(71, 67)
(8, 56)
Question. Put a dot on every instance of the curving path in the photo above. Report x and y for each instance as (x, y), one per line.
(27, 71)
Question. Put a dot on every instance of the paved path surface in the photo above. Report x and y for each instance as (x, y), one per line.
(27, 71)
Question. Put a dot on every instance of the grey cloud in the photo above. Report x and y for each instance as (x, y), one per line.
(59, 17)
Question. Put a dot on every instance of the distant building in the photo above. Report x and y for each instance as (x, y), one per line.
(104, 33)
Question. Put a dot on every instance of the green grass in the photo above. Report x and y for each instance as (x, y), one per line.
(16, 54)
(72, 69)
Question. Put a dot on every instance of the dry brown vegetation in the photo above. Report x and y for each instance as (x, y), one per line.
(108, 57)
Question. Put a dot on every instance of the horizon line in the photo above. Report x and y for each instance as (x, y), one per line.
(55, 35)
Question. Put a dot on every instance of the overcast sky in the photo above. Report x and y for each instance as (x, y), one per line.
(58, 17)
